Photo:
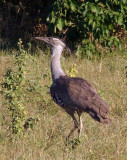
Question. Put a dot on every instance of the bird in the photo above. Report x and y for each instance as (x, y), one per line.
(73, 94)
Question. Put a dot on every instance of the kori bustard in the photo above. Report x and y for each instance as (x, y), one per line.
(73, 94)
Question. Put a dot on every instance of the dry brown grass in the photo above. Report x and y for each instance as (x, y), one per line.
(47, 140)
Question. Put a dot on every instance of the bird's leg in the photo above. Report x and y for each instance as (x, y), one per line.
(76, 125)
(80, 124)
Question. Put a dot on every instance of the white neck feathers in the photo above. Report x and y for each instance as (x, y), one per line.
(56, 69)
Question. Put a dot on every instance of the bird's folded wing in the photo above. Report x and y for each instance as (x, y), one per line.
(79, 93)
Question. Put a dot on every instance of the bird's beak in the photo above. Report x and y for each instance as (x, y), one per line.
(45, 39)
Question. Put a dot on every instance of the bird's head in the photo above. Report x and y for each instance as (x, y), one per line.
(53, 42)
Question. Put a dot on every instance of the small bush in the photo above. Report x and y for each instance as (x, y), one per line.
(16, 87)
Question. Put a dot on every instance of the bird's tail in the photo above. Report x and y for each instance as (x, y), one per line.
(105, 120)
(99, 111)
(100, 116)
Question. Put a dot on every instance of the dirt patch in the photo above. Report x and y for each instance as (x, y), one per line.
(4, 64)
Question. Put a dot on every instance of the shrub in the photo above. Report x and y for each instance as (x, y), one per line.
(17, 86)
(97, 25)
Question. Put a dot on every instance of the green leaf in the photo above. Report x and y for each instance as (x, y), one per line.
(97, 29)
(94, 25)
(73, 6)
(93, 9)
(66, 5)
(120, 19)
(107, 32)
(124, 1)
(53, 20)
(47, 19)
(90, 21)
(52, 13)
(55, 28)
(60, 23)
(110, 27)
(101, 5)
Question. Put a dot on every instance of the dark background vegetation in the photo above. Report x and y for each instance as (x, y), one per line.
(23, 19)
(89, 26)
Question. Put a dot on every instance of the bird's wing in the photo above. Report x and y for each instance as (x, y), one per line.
(79, 94)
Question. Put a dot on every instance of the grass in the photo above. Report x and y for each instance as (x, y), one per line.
(47, 138)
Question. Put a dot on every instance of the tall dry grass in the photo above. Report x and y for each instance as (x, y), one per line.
(46, 141)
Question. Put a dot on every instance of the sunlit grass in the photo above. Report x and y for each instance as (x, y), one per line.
(46, 141)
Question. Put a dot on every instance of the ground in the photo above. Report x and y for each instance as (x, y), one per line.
(46, 140)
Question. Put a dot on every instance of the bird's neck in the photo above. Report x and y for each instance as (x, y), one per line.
(56, 69)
